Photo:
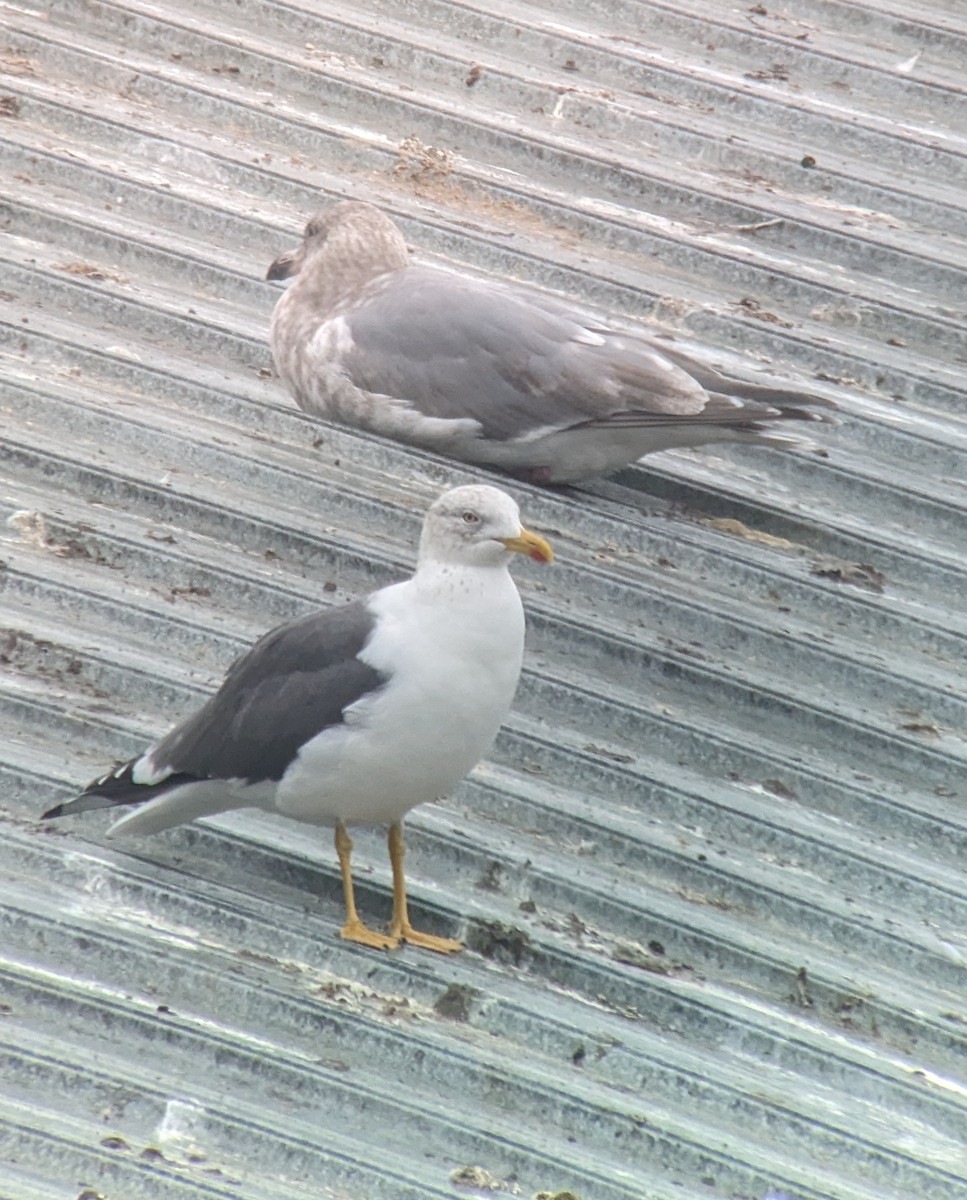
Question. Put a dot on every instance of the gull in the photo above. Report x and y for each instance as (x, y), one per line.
(491, 372)
(354, 715)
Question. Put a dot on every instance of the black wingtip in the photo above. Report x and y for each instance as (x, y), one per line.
(117, 788)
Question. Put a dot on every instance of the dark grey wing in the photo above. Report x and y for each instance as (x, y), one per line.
(515, 361)
(296, 681)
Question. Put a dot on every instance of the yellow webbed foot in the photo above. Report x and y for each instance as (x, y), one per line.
(400, 926)
(356, 931)
(427, 941)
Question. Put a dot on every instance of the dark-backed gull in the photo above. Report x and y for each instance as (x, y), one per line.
(351, 716)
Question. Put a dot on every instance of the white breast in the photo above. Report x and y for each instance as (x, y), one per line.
(451, 641)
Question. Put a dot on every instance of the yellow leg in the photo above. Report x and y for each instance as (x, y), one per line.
(354, 930)
(400, 926)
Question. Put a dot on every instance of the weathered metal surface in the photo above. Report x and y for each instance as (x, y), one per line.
(712, 876)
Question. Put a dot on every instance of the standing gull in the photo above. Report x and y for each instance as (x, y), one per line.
(490, 372)
(352, 716)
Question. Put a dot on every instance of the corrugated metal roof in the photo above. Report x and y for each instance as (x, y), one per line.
(712, 876)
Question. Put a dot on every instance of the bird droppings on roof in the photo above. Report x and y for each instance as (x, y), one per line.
(710, 876)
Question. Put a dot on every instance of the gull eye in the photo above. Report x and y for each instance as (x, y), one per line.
(471, 518)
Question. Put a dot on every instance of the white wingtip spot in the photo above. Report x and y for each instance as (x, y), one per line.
(146, 772)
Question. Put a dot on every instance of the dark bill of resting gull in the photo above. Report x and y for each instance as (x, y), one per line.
(353, 715)
(491, 372)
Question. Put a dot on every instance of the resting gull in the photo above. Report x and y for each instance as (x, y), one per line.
(353, 715)
(491, 372)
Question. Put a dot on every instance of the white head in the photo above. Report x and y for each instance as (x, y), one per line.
(479, 526)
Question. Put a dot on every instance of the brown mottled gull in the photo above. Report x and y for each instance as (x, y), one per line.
(353, 715)
(490, 372)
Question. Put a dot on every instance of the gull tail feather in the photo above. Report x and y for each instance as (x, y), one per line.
(177, 805)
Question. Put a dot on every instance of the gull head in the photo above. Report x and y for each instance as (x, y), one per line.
(350, 232)
(478, 525)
